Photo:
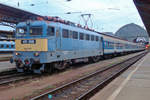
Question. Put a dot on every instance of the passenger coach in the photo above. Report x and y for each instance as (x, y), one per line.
(7, 47)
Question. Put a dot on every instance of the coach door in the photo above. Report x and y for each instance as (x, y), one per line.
(102, 45)
(58, 39)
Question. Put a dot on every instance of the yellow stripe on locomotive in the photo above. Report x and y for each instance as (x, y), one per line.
(31, 44)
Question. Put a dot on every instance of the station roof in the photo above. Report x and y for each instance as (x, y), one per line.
(14, 15)
(143, 7)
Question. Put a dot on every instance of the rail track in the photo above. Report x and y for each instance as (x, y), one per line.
(85, 87)
(8, 72)
(12, 78)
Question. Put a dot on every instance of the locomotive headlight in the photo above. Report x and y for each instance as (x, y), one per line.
(17, 54)
(36, 54)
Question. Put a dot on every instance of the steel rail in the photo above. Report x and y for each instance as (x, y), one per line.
(8, 72)
(13, 77)
(60, 90)
(13, 80)
(101, 85)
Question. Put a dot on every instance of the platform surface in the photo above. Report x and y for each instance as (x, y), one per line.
(5, 55)
(6, 65)
(133, 84)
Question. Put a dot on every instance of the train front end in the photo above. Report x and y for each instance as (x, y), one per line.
(31, 47)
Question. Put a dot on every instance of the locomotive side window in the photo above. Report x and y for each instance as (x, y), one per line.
(97, 39)
(51, 31)
(65, 33)
(87, 37)
(92, 37)
(81, 36)
(75, 35)
(71, 34)
(36, 31)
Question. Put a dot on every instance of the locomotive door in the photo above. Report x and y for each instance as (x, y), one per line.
(58, 39)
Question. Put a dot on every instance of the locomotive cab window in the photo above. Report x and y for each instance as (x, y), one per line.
(21, 31)
(51, 31)
(36, 31)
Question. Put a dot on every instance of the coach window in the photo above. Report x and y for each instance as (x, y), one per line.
(51, 31)
(2, 46)
(105, 43)
(12, 46)
(75, 35)
(65, 33)
(92, 37)
(7, 46)
(97, 39)
(87, 37)
(81, 36)
(108, 43)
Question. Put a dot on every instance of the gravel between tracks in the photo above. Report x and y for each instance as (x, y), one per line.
(23, 90)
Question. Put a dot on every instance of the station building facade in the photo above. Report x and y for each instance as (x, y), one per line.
(133, 33)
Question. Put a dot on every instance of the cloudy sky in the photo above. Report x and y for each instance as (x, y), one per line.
(107, 15)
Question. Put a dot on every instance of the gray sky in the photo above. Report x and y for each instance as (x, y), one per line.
(107, 15)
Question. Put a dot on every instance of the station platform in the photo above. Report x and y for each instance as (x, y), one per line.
(133, 84)
(5, 55)
(6, 65)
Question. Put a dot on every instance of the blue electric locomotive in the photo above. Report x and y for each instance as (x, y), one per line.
(42, 45)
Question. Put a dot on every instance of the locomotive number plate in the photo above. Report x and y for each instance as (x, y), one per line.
(28, 41)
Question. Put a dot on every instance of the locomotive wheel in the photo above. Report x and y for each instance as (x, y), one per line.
(19, 65)
(60, 65)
